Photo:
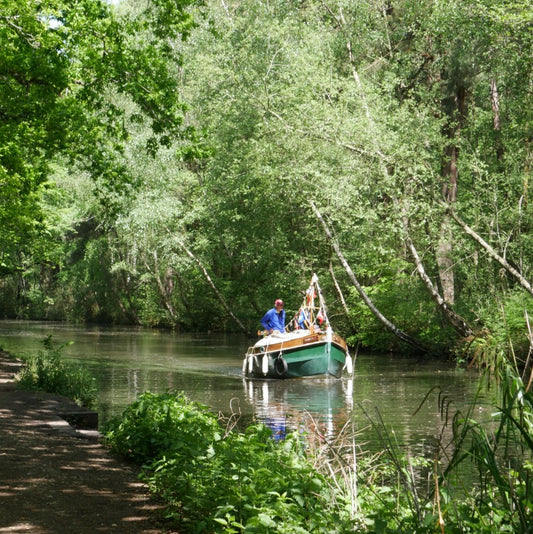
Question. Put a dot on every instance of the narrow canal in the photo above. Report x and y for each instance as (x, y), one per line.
(128, 361)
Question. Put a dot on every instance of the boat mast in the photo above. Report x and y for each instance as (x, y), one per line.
(308, 304)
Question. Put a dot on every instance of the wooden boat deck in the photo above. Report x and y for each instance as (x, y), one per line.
(292, 340)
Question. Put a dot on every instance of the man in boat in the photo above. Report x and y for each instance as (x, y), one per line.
(274, 319)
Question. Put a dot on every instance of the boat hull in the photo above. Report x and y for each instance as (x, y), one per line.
(296, 355)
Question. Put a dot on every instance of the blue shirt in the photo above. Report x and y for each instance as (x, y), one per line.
(272, 320)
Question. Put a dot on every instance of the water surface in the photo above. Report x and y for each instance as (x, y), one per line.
(128, 361)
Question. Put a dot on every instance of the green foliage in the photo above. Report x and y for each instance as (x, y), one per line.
(216, 480)
(479, 479)
(505, 337)
(255, 108)
(248, 482)
(222, 481)
(56, 79)
(159, 424)
(402, 299)
(47, 371)
(500, 454)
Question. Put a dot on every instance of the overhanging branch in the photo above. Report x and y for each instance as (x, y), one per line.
(406, 338)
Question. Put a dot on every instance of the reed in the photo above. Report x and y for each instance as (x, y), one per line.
(479, 480)
(501, 453)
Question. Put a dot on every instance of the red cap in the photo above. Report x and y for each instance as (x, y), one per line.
(279, 301)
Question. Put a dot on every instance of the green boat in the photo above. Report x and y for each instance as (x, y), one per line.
(312, 348)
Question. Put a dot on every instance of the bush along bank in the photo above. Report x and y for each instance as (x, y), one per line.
(47, 371)
(214, 480)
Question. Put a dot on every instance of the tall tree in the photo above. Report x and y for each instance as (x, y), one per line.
(56, 76)
(372, 109)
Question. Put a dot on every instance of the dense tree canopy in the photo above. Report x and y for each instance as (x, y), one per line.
(62, 62)
(160, 168)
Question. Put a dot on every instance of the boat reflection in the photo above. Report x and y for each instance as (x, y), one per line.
(314, 406)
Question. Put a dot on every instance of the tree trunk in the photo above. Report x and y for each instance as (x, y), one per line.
(454, 108)
(456, 321)
(496, 122)
(339, 291)
(406, 338)
(445, 261)
(163, 291)
(213, 287)
(492, 253)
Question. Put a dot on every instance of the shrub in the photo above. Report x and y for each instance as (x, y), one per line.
(160, 424)
(247, 482)
(504, 338)
(47, 371)
(216, 481)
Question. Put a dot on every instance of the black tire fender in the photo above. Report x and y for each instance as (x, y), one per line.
(280, 366)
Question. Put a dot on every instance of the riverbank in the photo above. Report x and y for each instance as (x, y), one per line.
(59, 479)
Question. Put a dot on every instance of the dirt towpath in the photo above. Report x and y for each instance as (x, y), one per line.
(55, 479)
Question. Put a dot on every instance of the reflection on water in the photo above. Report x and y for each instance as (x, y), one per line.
(287, 405)
(128, 361)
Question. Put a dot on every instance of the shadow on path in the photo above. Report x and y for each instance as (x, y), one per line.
(56, 479)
